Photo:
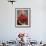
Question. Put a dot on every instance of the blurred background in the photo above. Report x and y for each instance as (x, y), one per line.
(37, 31)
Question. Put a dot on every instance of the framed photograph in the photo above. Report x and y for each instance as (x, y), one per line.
(22, 17)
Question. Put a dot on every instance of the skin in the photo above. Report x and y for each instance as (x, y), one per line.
(22, 12)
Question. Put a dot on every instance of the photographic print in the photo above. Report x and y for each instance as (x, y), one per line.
(22, 17)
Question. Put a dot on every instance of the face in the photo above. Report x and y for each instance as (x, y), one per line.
(21, 12)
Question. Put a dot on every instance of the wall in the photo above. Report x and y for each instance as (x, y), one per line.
(8, 31)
